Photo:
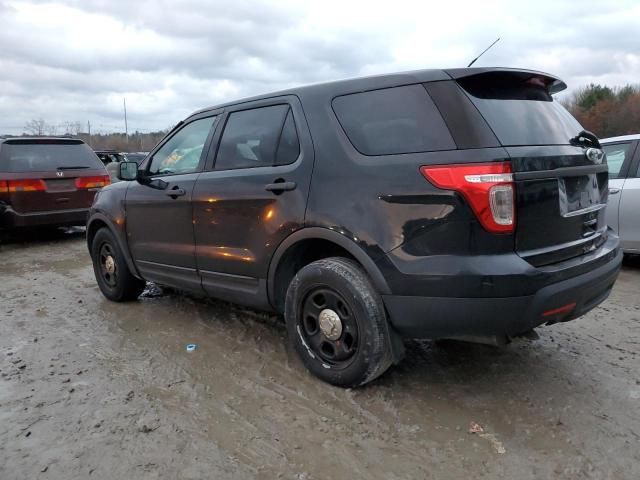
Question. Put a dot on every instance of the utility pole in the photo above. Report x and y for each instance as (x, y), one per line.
(89, 130)
(126, 127)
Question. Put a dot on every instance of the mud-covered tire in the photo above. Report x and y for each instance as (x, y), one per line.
(120, 285)
(354, 295)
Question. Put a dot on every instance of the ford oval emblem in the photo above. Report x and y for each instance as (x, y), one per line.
(595, 155)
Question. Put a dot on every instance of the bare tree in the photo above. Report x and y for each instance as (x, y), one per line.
(35, 126)
(71, 128)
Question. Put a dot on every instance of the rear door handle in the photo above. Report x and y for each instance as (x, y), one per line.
(176, 192)
(613, 191)
(280, 186)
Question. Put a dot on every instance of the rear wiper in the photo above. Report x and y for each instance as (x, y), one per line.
(585, 139)
(72, 167)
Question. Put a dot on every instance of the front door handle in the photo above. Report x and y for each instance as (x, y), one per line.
(176, 192)
(279, 187)
(614, 191)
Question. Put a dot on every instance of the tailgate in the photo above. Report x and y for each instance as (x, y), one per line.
(46, 191)
(561, 198)
(559, 170)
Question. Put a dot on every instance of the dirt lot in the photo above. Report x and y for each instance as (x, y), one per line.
(93, 389)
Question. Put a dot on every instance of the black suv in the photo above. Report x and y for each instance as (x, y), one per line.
(462, 203)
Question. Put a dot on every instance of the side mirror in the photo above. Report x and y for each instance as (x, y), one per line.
(127, 170)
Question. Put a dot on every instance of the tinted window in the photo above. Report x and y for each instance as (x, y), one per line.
(251, 137)
(616, 156)
(393, 120)
(40, 156)
(519, 111)
(289, 145)
(181, 154)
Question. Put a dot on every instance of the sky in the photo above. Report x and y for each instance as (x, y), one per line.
(75, 60)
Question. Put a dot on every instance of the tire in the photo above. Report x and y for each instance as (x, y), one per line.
(115, 280)
(347, 353)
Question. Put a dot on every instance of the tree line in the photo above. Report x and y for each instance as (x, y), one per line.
(605, 111)
(134, 142)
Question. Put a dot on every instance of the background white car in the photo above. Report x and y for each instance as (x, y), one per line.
(623, 207)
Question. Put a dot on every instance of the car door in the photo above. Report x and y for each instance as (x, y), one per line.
(619, 157)
(158, 206)
(252, 197)
(630, 209)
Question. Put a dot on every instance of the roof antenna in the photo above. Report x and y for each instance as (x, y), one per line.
(483, 52)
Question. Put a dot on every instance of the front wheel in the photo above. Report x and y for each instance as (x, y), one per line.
(112, 273)
(337, 324)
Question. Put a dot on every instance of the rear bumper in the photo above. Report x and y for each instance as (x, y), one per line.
(443, 317)
(10, 219)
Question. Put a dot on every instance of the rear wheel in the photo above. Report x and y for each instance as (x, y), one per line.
(112, 273)
(337, 324)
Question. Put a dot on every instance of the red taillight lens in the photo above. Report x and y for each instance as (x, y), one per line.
(27, 185)
(488, 187)
(4, 186)
(93, 182)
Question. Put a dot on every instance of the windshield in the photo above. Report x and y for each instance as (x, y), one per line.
(28, 157)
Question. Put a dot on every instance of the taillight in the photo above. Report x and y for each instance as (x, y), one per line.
(27, 185)
(487, 187)
(93, 182)
(4, 187)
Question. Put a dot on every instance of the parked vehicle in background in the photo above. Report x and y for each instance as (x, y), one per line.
(47, 181)
(137, 157)
(109, 156)
(462, 203)
(623, 210)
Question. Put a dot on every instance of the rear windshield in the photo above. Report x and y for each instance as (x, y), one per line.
(519, 111)
(392, 121)
(27, 157)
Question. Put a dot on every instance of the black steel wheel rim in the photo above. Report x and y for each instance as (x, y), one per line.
(338, 352)
(108, 266)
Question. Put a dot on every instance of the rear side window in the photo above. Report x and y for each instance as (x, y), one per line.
(39, 156)
(520, 111)
(289, 145)
(617, 154)
(393, 121)
(252, 138)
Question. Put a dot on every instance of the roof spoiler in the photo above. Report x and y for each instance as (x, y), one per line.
(553, 84)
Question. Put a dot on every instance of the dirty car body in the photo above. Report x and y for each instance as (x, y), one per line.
(471, 202)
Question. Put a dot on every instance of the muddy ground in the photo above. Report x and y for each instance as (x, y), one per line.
(93, 389)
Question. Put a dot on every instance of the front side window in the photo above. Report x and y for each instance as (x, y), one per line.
(251, 138)
(616, 156)
(393, 121)
(181, 154)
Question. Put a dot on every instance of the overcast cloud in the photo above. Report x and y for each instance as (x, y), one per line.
(75, 60)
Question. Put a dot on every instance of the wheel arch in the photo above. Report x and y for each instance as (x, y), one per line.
(310, 244)
(98, 221)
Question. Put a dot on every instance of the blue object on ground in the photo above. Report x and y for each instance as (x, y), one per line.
(191, 347)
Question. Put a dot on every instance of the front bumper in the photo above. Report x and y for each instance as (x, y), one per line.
(10, 219)
(452, 316)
